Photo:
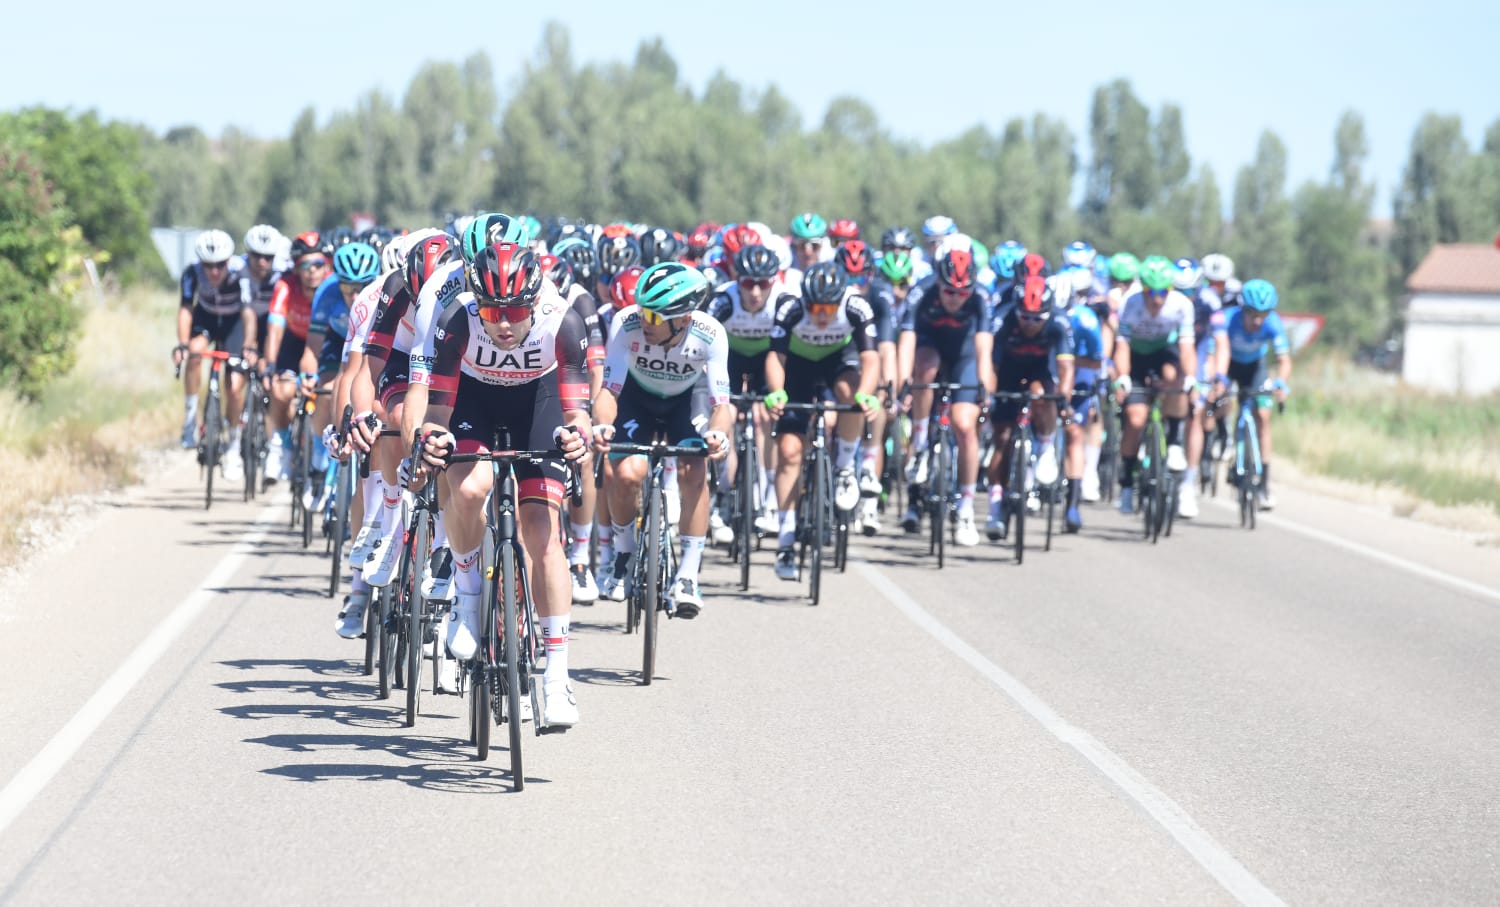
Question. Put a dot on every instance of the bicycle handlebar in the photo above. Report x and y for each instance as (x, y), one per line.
(823, 406)
(1030, 397)
(657, 450)
(508, 457)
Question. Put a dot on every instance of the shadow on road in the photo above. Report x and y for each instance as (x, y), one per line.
(347, 715)
(610, 677)
(342, 667)
(412, 748)
(474, 778)
(339, 691)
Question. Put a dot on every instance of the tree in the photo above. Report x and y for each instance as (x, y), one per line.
(1264, 230)
(38, 323)
(1433, 204)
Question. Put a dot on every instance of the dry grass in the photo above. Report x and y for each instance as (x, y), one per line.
(86, 433)
(1362, 426)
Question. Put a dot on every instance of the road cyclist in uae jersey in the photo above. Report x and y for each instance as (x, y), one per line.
(1154, 345)
(288, 360)
(665, 375)
(1213, 359)
(508, 360)
(947, 334)
(823, 341)
(1033, 352)
(215, 309)
(1255, 330)
(746, 308)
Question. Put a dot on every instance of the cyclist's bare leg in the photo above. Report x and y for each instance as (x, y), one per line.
(624, 489)
(965, 418)
(788, 469)
(692, 487)
(283, 392)
(539, 526)
(192, 367)
(234, 397)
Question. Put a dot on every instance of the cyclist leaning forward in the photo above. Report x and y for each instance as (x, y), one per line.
(665, 375)
(1033, 352)
(823, 341)
(1154, 346)
(947, 331)
(508, 359)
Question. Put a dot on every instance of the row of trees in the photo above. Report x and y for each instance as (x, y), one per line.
(615, 140)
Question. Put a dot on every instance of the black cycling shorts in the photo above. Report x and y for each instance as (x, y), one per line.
(643, 416)
(225, 332)
(803, 378)
(1017, 375)
(522, 417)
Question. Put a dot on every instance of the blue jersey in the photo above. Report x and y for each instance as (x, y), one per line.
(1088, 343)
(1245, 347)
(330, 314)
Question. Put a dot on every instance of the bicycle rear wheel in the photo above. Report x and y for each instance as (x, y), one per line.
(1109, 441)
(748, 505)
(304, 449)
(372, 630)
(416, 612)
(652, 593)
(510, 628)
(387, 643)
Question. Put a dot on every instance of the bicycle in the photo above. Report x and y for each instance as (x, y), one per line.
(941, 500)
(1249, 471)
(829, 522)
(1159, 495)
(505, 662)
(416, 616)
(747, 490)
(1109, 442)
(254, 440)
(211, 432)
(652, 568)
(1216, 441)
(303, 407)
(1018, 489)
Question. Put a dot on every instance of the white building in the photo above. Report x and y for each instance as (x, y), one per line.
(1453, 320)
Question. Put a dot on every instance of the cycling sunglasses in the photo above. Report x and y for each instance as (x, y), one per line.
(823, 308)
(493, 311)
(653, 317)
(763, 283)
(1155, 294)
(1032, 317)
(312, 264)
(257, 255)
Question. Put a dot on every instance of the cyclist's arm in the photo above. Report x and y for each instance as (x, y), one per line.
(906, 354)
(573, 375)
(1187, 353)
(276, 321)
(605, 407)
(184, 326)
(984, 347)
(1122, 356)
(1065, 375)
(248, 319)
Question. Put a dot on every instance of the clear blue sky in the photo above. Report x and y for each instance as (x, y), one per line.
(931, 70)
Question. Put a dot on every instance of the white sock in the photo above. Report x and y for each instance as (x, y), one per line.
(787, 523)
(578, 551)
(190, 407)
(919, 435)
(370, 488)
(1190, 477)
(868, 462)
(1090, 461)
(466, 577)
(966, 500)
(606, 543)
(692, 557)
(555, 633)
(624, 538)
(390, 512)
(844, 453)
(439, 532)
(1043, 444)
(669, 475)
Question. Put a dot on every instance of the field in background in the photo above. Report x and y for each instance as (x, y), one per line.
(1360, 425)
(86, 434)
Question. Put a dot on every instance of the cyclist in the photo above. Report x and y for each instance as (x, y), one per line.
(508, 361)
(843, 231)
(1253, 329)
(665, 373)
(287, 354)
(809, 241)
(1208, 339)
(1033, 351)
(823, 341)
(935, 230)
(1154, 346)
(947, 331)
(355, 267)
(747, 310)
(1218, 270)
(1084, 435)
(1007, 255)
(616, 253)
(900, 239)
(215, 308)
(887, 294)
(622, 296)
(263, 245)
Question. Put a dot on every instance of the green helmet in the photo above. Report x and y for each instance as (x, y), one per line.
(672, 289)
(533, 228)
(980, 253)
(488, 229)
(1158, 272)
(809, 226)
(896, 266)
(1124, 267)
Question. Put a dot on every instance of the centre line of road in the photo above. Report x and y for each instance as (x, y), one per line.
(1218, 862)
(44, 766)
(1401, 563)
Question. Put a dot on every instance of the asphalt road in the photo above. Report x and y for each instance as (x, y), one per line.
(1306, 714)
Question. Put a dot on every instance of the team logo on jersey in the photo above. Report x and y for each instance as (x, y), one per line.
(465, 426)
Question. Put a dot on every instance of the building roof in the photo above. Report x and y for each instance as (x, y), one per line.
(1458, 268)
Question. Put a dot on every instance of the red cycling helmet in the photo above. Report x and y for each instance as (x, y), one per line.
(558, 271)
(507, 273)
(426, 257)
(1032, 265)
(843, 230)
(622, 288)
(854, 257)
(739, 237)
(1034, 297)
(956, 269)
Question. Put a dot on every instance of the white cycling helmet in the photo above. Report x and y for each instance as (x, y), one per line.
(938, 225)
(778, 244)
(953, 241)
(263, 239)
(1218, 268)
(213, 246)
(1083, 281)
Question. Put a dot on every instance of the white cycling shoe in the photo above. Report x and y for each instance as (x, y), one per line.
(351, 621)
(463, 629)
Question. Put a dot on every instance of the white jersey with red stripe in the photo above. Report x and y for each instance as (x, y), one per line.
(362, 314)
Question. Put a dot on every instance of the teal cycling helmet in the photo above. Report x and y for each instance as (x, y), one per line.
(488, 229)
(672, 289)
(358, 262)
(1259, 295)
(1007, 255)
(896, 266)
(809, 226)
(533, 228)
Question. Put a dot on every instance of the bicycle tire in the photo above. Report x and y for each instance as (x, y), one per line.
(247, 443)
(416, 615)
(1173, 494)
(937, 497)
(483, 718)
(749, 463)
(307, 514)
(1109, 446)
(1158, 483)
(652, 586)
(1020, 457)
(509, 582)
(386, 665)
(820, 525)
(371, 629)
(340, 519)
(211, 417)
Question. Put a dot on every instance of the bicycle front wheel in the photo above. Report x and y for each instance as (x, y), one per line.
(748, 505)
(211, 418)
(510, 629)
(304, 450)
(416, 612)
(820, 523)
(340, 519)
(1020, 458)
(652, 591)
(387, 642)
(937, 497)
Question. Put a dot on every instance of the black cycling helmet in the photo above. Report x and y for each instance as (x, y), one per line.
(659, 244)
(584, 261)
(757, 262)
(309, 243)
(897, 238)
(559, 272)
(617, 253)
(824, 284)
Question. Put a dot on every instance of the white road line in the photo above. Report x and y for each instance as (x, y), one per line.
(1401, 563)
(45, 765)
(1218, 862)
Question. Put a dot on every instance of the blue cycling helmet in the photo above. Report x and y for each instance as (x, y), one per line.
(1078, 253)
(1189, 275)
(1003, 259)
(356, 262)
(1258, 295)
(938, 225)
